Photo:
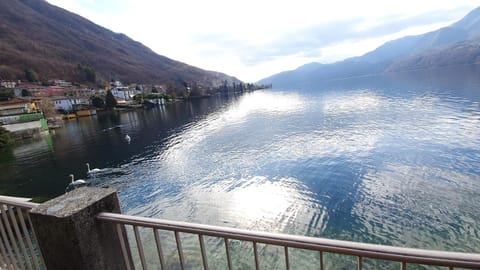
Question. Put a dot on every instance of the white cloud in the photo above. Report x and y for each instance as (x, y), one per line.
(252, 39)
(349, 48)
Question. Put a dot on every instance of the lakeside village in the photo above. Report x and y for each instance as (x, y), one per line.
(29, 109)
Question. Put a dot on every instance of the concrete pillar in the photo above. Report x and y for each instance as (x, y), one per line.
(70, 237)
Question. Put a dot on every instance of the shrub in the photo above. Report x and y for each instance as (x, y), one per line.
(6, 94)
(6, 138)
(97, 102)
(110, 100)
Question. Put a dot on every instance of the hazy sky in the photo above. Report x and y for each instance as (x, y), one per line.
(252, 39)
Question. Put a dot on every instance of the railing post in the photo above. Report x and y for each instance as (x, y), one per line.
(70, 237)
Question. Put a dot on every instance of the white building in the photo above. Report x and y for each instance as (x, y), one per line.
(8, 84)
(62, 83)
(124, 93)
(68, 104)
(116, 84)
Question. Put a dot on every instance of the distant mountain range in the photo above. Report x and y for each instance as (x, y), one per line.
(457, 44)
(55, 43)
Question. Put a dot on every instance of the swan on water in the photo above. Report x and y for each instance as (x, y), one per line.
(127, 138)
(76, 182)
(92, 171)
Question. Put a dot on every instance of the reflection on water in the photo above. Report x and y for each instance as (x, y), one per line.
(359, 165)
(382, 165)
(420, 201)
(357, 102)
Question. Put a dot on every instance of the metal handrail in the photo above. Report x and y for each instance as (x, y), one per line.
(361, 250)
(17, 247)
(14, 201)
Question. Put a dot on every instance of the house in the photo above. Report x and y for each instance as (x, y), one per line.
(159, 88)
(70, 104)
(15, 106)
(62, 83)
(124, 93)
(53, 91)
(81, 92)
(21, 118)
(31, 89)
(8, 84)
(116, 84)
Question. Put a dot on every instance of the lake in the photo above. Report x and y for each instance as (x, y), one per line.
(379, 161)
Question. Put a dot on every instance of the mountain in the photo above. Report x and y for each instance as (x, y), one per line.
(55, 43)
(464, 53)
(456, 44)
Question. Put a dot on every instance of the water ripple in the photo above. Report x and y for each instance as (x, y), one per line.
(370, 165)
(358, 165)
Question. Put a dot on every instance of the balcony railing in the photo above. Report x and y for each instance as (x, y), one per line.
(84, 229)
(402, 256)
(18, 248)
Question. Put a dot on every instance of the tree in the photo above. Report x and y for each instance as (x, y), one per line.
(110, 101)
(138, 97)
(86, 73)
(26, 93)
(6, 94)
(31, 75)
(97, 102)
(225, 86)
(48, 108)
(6, 137)
(90, 74)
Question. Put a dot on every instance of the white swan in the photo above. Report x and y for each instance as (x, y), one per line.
(127, 138)
(76, 182)
(93, 171)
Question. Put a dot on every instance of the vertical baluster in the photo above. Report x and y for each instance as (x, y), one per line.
(227, 250)
(202, 249)
(360, 262)
(404, 266)
(255, 253)
(180, 250)
(159, 249)
(2, 257)
(140, 248)
(123, 245)
(35, 238)
(28, 238)
(450, 268)
(321, 260)
(5, 258)
(6, 225)
(19, 237)
(287, 260)
(13, 240)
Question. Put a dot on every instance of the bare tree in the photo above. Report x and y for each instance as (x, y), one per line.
(48, 108)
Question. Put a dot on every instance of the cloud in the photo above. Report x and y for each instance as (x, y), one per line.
(309, 41)
(250, 38)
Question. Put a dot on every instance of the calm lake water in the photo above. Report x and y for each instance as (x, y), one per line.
(380, 162)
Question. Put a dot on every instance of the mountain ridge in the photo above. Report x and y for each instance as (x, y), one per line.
(407, 53)
(56, 43)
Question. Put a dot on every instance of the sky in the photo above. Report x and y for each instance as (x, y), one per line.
(253, 39)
